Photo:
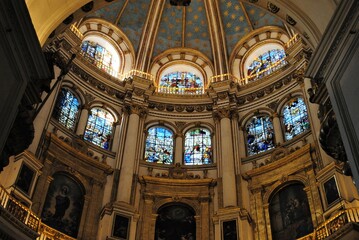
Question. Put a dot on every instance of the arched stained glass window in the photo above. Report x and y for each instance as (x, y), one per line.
(260, 135)
(97, 55)
(99, 128)
(66, 109)
(264, 61)
(295, 118)
(198, 147)
(182, 82)
(159, 145)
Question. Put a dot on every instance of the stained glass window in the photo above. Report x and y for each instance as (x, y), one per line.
(260, 135)
(159, 145)
(99, 128)
(198, 147)
(295, 118)
(97, 55)
(66, 109)
(264, 61)
(182, 82)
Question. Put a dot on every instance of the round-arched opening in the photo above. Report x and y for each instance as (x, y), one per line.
(175, 221)
(64, 203)
(101, 53)
(181, 79)
(290, 216)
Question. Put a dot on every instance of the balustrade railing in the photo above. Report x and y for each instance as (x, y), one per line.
(76, 31)
(182, 91)
(27, 217)
(333, 224)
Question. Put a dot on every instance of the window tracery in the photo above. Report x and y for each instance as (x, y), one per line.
(159, 145)
(66, 109)
(260, 135)
(198, 147)
(99, 127)
(295, 118)
(181, 82)
(97, 55)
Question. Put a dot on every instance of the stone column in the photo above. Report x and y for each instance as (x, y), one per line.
(179, 149)
(147, 217)
(42, 186)
(116, 136)
(278, 133)
(204, 220)
(87, 199)
(93, 211)
(128, 160)
(81, 126)
(242, 143)
(227, 159)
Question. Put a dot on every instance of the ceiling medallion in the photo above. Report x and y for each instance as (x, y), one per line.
(272, 8)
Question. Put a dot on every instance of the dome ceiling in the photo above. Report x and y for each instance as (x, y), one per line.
(187, 27)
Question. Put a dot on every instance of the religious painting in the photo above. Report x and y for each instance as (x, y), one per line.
(331, 190)
(24, 179)
(121, 227)
(290, 215)
(229, 230)
(63, 205)
(175, 221)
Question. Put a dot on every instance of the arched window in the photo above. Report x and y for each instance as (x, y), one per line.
(265, 60)
(99, 127)
(66, 109)
(295, 118)
(290, 216)
(260, 134)
(159, 145)
(64, 203)
(198, 147)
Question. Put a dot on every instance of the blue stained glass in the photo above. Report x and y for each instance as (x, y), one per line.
(198, 147)
(66, 109)
(97, 55)
(159, 146)
(182, 81)
(260, 135)
(264, 61)
(99, 128)
(295, 118)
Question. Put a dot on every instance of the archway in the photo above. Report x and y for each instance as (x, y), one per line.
(175, 221)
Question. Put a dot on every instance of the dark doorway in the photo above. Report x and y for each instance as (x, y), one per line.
(175, 222)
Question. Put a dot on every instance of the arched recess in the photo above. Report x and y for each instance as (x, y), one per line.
(64, 204)
(174, 59)
(258, 131)
(271, 36)
(111, 33)
(175, 221)
(289, 212)
(293, 110)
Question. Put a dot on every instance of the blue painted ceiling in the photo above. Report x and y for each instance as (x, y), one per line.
(187, 26)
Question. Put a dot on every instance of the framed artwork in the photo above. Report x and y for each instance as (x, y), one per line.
(121, 227)
(229, 230)
(331, 190)
(25, 178)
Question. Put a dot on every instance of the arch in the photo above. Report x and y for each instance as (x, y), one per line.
(116, 114)
(175, 221)
(289, 212)
(259, 134)
(78, 91)
(250, 114)
(64, 204)
(113, 34)
(164, 123)
(198, 146)
(67, 108)
(193, 204)
(295, 119)
(159, 147)
(99, 128)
